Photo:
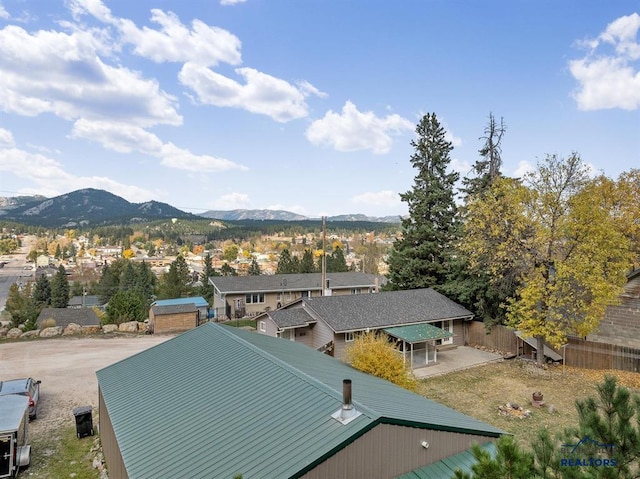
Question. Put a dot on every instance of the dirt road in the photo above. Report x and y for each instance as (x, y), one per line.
(67, 368)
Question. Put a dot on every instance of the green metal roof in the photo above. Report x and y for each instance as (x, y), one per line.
(217, 401)
(418, 333)
(446, 467)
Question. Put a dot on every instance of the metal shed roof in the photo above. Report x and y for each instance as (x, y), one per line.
(217, 401)
(447, 467)
(13, 407)
(418, 333)
(199, 301)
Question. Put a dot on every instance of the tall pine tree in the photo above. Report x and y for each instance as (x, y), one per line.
(421, 258)
(60, 289)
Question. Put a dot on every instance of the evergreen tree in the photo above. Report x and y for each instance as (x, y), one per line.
(336, 263)
(421, 258)
(473, 287)
(146, 282)
(206, 290)
(286, 263)
(128, 278)
(58, 253)
(307, 264)
(254, 269)
(126, 306)
(108, 284)
(227, 270)
(60, 289)
(176, 283)
(21, 306)
(42, 291)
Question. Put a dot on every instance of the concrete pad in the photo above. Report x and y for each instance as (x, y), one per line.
(463, 357)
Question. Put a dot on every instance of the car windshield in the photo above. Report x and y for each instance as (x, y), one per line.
(13, 387)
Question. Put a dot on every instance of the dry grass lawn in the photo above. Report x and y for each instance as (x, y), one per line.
(479, 392)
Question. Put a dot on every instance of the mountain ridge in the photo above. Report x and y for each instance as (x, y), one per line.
(95, 207)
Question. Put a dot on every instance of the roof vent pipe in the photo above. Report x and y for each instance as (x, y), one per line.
(346, 394)
(347, 412)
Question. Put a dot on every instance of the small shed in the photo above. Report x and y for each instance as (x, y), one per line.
(173, 318)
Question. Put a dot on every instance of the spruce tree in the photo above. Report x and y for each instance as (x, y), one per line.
(254, 269)
(42, 291)
(60, 289)
(421, 258)
(336, 263)
(307, 264)
(287, 264)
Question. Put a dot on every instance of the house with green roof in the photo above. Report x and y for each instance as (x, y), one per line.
(419, 321)
(217, 401)
(240, 296)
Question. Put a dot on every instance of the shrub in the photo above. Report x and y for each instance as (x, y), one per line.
(372, 353)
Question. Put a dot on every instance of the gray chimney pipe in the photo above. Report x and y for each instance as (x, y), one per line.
(346, 394)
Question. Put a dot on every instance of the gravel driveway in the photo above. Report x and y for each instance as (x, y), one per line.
(67, 368)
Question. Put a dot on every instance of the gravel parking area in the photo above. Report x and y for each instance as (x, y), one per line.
(67, 366)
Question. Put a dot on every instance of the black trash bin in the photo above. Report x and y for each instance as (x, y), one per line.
(84, 421)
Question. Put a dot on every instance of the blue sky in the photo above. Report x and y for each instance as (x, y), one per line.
(304, 105)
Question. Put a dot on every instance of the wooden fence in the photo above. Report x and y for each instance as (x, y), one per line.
(578, 352)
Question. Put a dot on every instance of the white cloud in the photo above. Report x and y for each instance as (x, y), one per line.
(51, 179)
(126, 139)
(456, 141)
(174, 42)
(523, 168)
(353, 130)
(232, 201)
(384, 198)
(610, 79)
(6, 138)
(261, 93)
(231, 2)
(3, 12)
(60, 73)
(462, 167)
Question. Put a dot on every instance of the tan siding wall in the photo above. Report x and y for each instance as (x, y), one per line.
(112, 456)
(459, 332)
(339, 345)
(322, 334)
(388, 451)
(270, 326)
(173, 323)
(306, 336)
(621, 323)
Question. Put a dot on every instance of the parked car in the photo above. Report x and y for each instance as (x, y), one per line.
(28, 387)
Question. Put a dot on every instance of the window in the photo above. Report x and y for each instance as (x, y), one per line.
(263, 326)
(349, 337)
(254, 298)
(356, 291)
(279, 297)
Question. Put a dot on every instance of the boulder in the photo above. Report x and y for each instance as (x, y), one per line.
(5, 324)
(3, 331)
(91, 329)
(34, 333)
(129, 327)
(143, 327)
(50, 332)
(72, 328)
(14, 333)
(109, 328)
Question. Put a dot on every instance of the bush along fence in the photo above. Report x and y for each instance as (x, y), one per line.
(577, 352)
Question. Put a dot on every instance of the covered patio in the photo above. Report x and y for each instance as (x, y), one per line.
(417, 343)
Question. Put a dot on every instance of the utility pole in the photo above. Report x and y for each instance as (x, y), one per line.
(324, 256)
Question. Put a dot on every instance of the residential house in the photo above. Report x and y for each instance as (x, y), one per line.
(240, 296)
(178, 314)
(84, 301)
(621, 322)
(217, 401)
(65, 316)
(420, 321)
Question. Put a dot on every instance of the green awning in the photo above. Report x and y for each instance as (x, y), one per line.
(418, 333)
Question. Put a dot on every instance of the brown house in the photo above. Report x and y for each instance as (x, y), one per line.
(173, 318)
(234, 402)
(420, 321)
(621, 323)
(240, 296)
